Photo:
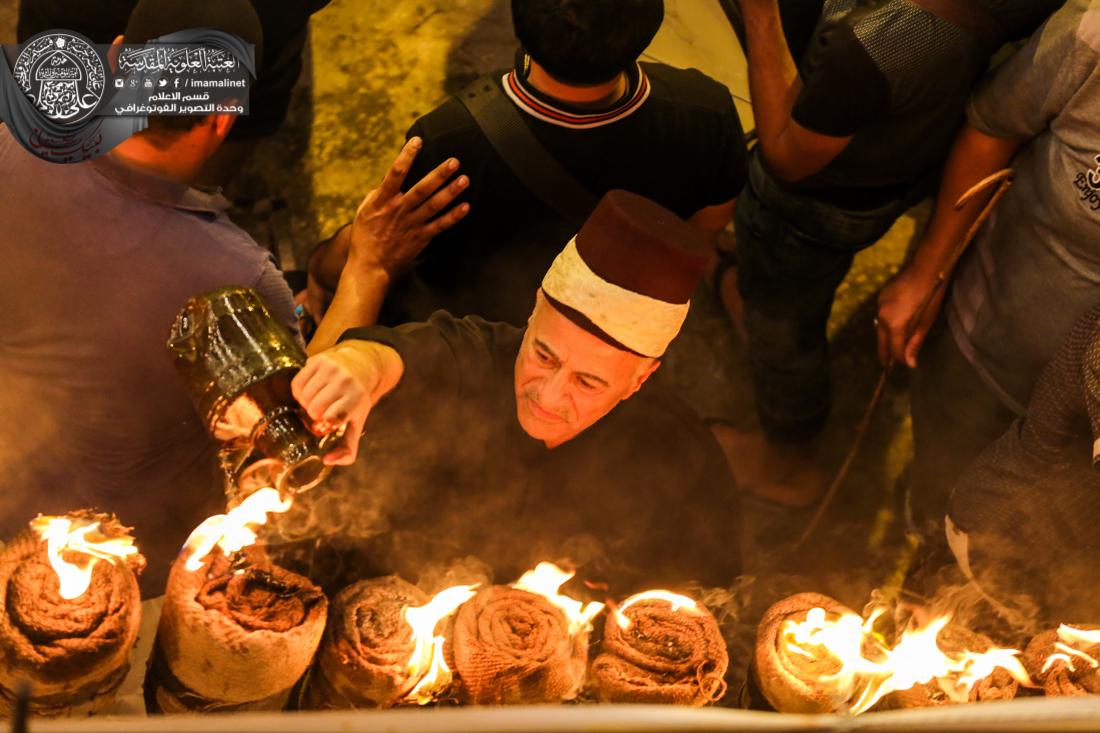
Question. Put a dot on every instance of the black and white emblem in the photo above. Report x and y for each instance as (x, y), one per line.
(62, 74)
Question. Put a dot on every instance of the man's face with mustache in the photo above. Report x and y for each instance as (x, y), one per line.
(566, 378)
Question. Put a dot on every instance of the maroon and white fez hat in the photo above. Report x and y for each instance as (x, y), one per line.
(629, 273)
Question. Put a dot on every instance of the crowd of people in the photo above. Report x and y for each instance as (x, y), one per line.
(487, 325)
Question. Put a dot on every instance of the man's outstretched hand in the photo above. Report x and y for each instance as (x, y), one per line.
(391, 228)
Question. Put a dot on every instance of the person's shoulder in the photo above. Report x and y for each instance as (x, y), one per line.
(687, 87)
(839, 38)
(450, 124)
(449, 118)
(896, 29)
(493, 335)
(668, 425)
(216, 239)
(217, 228)
(1084, 15)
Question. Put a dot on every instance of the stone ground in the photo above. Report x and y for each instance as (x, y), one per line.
(376, 65)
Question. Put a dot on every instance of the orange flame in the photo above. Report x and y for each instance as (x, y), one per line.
(427, 664)
(870, 669)
(545, 580)
(1071, 644)
(231, 531)
(677, 602)
(80, 536)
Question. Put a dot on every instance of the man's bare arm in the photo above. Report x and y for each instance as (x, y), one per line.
(326, 262)
(974, 156)
(389, 230)
(791, 151)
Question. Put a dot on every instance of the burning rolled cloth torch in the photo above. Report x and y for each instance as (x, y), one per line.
(381, 648)
(522, 644)
(797, 677)
(236, 632)
(659, 647)
(1066, 661)
(814, 655)
(70, 610)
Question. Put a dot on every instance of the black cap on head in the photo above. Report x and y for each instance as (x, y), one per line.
(155, 18)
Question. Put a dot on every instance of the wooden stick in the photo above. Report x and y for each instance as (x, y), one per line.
(1003, 181)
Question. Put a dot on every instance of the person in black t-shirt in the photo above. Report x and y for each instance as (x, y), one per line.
(849, 138)
(671, 135)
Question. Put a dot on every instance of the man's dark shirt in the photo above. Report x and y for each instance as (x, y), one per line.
(643, 498)
(896, 77)
(674, 138)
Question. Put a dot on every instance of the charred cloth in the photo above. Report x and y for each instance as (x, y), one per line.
(73, 651)
(511, 646)
(1066, 661)
(955, 640)
(364, 657)
(657, 653)
(233, 638)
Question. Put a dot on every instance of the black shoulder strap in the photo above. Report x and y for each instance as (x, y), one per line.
(521, 151)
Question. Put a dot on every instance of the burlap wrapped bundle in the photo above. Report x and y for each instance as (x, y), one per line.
(364, 658)
(1058, 679)
(665, 657)
(793, 683)
(954, 640)
(75, 653)
(233, 638)
(511, 647)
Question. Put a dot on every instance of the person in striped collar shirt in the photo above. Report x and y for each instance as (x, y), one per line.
(610, 121)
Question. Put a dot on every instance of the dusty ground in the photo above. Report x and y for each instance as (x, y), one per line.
(376, 65)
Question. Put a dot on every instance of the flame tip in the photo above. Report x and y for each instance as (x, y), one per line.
(230, 532)
(70, 535)
(870, 668)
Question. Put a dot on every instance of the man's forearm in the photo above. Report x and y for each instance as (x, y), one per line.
(772, 73)
(357, 302)
(974, 156)
(382, 362)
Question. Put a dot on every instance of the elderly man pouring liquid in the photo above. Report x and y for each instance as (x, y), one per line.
(548, 442)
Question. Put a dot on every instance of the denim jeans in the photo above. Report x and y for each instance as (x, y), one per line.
(792, 253)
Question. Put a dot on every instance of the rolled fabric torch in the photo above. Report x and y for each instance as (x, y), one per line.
(70, 611)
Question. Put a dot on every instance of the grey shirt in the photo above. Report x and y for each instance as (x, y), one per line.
(1035, 266)
(98, 259)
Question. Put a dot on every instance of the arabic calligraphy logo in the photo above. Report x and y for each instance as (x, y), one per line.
(62, 75)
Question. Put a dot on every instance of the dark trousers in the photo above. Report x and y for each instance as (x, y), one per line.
(792, 253)
(955, 417)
